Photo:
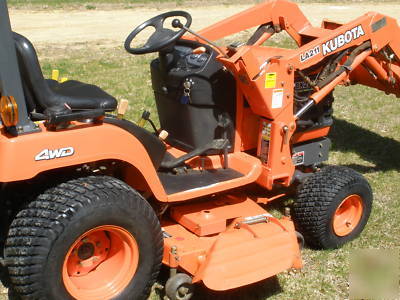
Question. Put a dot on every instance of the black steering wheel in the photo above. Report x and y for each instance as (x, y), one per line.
(162, 37)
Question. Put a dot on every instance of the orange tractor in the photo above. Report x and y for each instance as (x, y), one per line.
(93, 205)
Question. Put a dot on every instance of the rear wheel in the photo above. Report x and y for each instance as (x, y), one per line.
(332, 207)
(92, 238)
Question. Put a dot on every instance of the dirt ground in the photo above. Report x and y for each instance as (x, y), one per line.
(110, 27)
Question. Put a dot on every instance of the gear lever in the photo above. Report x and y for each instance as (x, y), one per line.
(177, 24)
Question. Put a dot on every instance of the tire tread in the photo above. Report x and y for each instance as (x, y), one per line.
(35, 228)
(314, 201)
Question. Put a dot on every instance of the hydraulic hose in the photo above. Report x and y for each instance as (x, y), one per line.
(346, 66)
(355, 58)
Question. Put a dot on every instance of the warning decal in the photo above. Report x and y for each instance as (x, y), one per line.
(270, 80)
(298, 158)
(277, 98)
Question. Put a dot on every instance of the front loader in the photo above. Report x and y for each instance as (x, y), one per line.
(93, 204)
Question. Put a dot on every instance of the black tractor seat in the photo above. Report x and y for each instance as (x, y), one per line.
(42, 94)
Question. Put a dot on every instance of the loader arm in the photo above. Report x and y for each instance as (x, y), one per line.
(370, 48)
(282, 15)
(380, 69)
(364, 51)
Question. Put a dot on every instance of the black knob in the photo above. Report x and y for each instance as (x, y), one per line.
(177, 24)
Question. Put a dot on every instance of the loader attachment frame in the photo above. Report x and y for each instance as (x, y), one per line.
(364, 51)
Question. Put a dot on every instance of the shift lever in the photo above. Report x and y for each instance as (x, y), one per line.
(177, 24)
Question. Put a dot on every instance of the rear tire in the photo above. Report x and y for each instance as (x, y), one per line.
(332, 207)
(91, 238)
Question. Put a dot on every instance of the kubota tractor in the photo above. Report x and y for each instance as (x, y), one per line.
(93, 204)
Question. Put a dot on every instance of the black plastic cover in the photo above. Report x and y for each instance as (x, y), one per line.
(193, 122)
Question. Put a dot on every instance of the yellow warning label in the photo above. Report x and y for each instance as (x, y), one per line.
(270, 80)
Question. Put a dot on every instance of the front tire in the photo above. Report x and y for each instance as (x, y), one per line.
(92, 238)
(332, 207)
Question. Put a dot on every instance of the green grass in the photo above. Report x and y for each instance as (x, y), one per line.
(366, 137)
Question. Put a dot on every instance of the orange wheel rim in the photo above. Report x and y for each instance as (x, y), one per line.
(347, 215)
(100, 263)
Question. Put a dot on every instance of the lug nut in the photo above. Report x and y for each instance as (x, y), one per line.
(183, 290)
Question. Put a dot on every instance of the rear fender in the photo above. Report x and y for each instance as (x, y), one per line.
(25, 156)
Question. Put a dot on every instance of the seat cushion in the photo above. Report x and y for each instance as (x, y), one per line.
(79, 95)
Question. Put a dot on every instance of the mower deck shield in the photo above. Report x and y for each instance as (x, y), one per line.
(239, 254)
(238, 258)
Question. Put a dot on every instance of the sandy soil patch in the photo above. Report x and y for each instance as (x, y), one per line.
(110, 27)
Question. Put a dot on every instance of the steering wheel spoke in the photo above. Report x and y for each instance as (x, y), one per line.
(162, 37)
(159, 24)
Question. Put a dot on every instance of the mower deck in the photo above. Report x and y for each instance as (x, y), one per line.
(229, 242)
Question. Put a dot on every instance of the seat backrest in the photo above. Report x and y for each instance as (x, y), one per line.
(31, 72)
(41, 94)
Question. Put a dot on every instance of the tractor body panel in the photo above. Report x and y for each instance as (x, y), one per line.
(268, 105)
(28, 155)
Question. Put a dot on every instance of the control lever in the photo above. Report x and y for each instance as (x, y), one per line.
(285, 130)
(217, 144)
(224, 123)
(146, 117)
(177, 24)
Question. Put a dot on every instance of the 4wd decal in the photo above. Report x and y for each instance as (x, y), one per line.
(47, 154)
(343, 39)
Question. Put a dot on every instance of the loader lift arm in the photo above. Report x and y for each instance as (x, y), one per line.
(364, 51)
(380, 69)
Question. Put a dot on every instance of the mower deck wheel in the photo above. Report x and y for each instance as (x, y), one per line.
(332, 207)
(92, 238)
(179, 287)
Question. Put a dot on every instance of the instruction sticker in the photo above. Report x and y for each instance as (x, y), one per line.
(270, 80)
(277, 98)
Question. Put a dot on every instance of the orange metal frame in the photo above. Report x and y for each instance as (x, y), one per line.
(211, 239)
(246, 64)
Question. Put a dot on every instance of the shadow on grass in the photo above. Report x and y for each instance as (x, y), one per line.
(257, 291)
(383, 152)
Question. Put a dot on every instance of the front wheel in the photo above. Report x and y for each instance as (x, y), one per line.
(91, 238)
(332, 207)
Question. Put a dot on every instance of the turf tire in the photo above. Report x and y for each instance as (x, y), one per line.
(318, 198)
(42, 233)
